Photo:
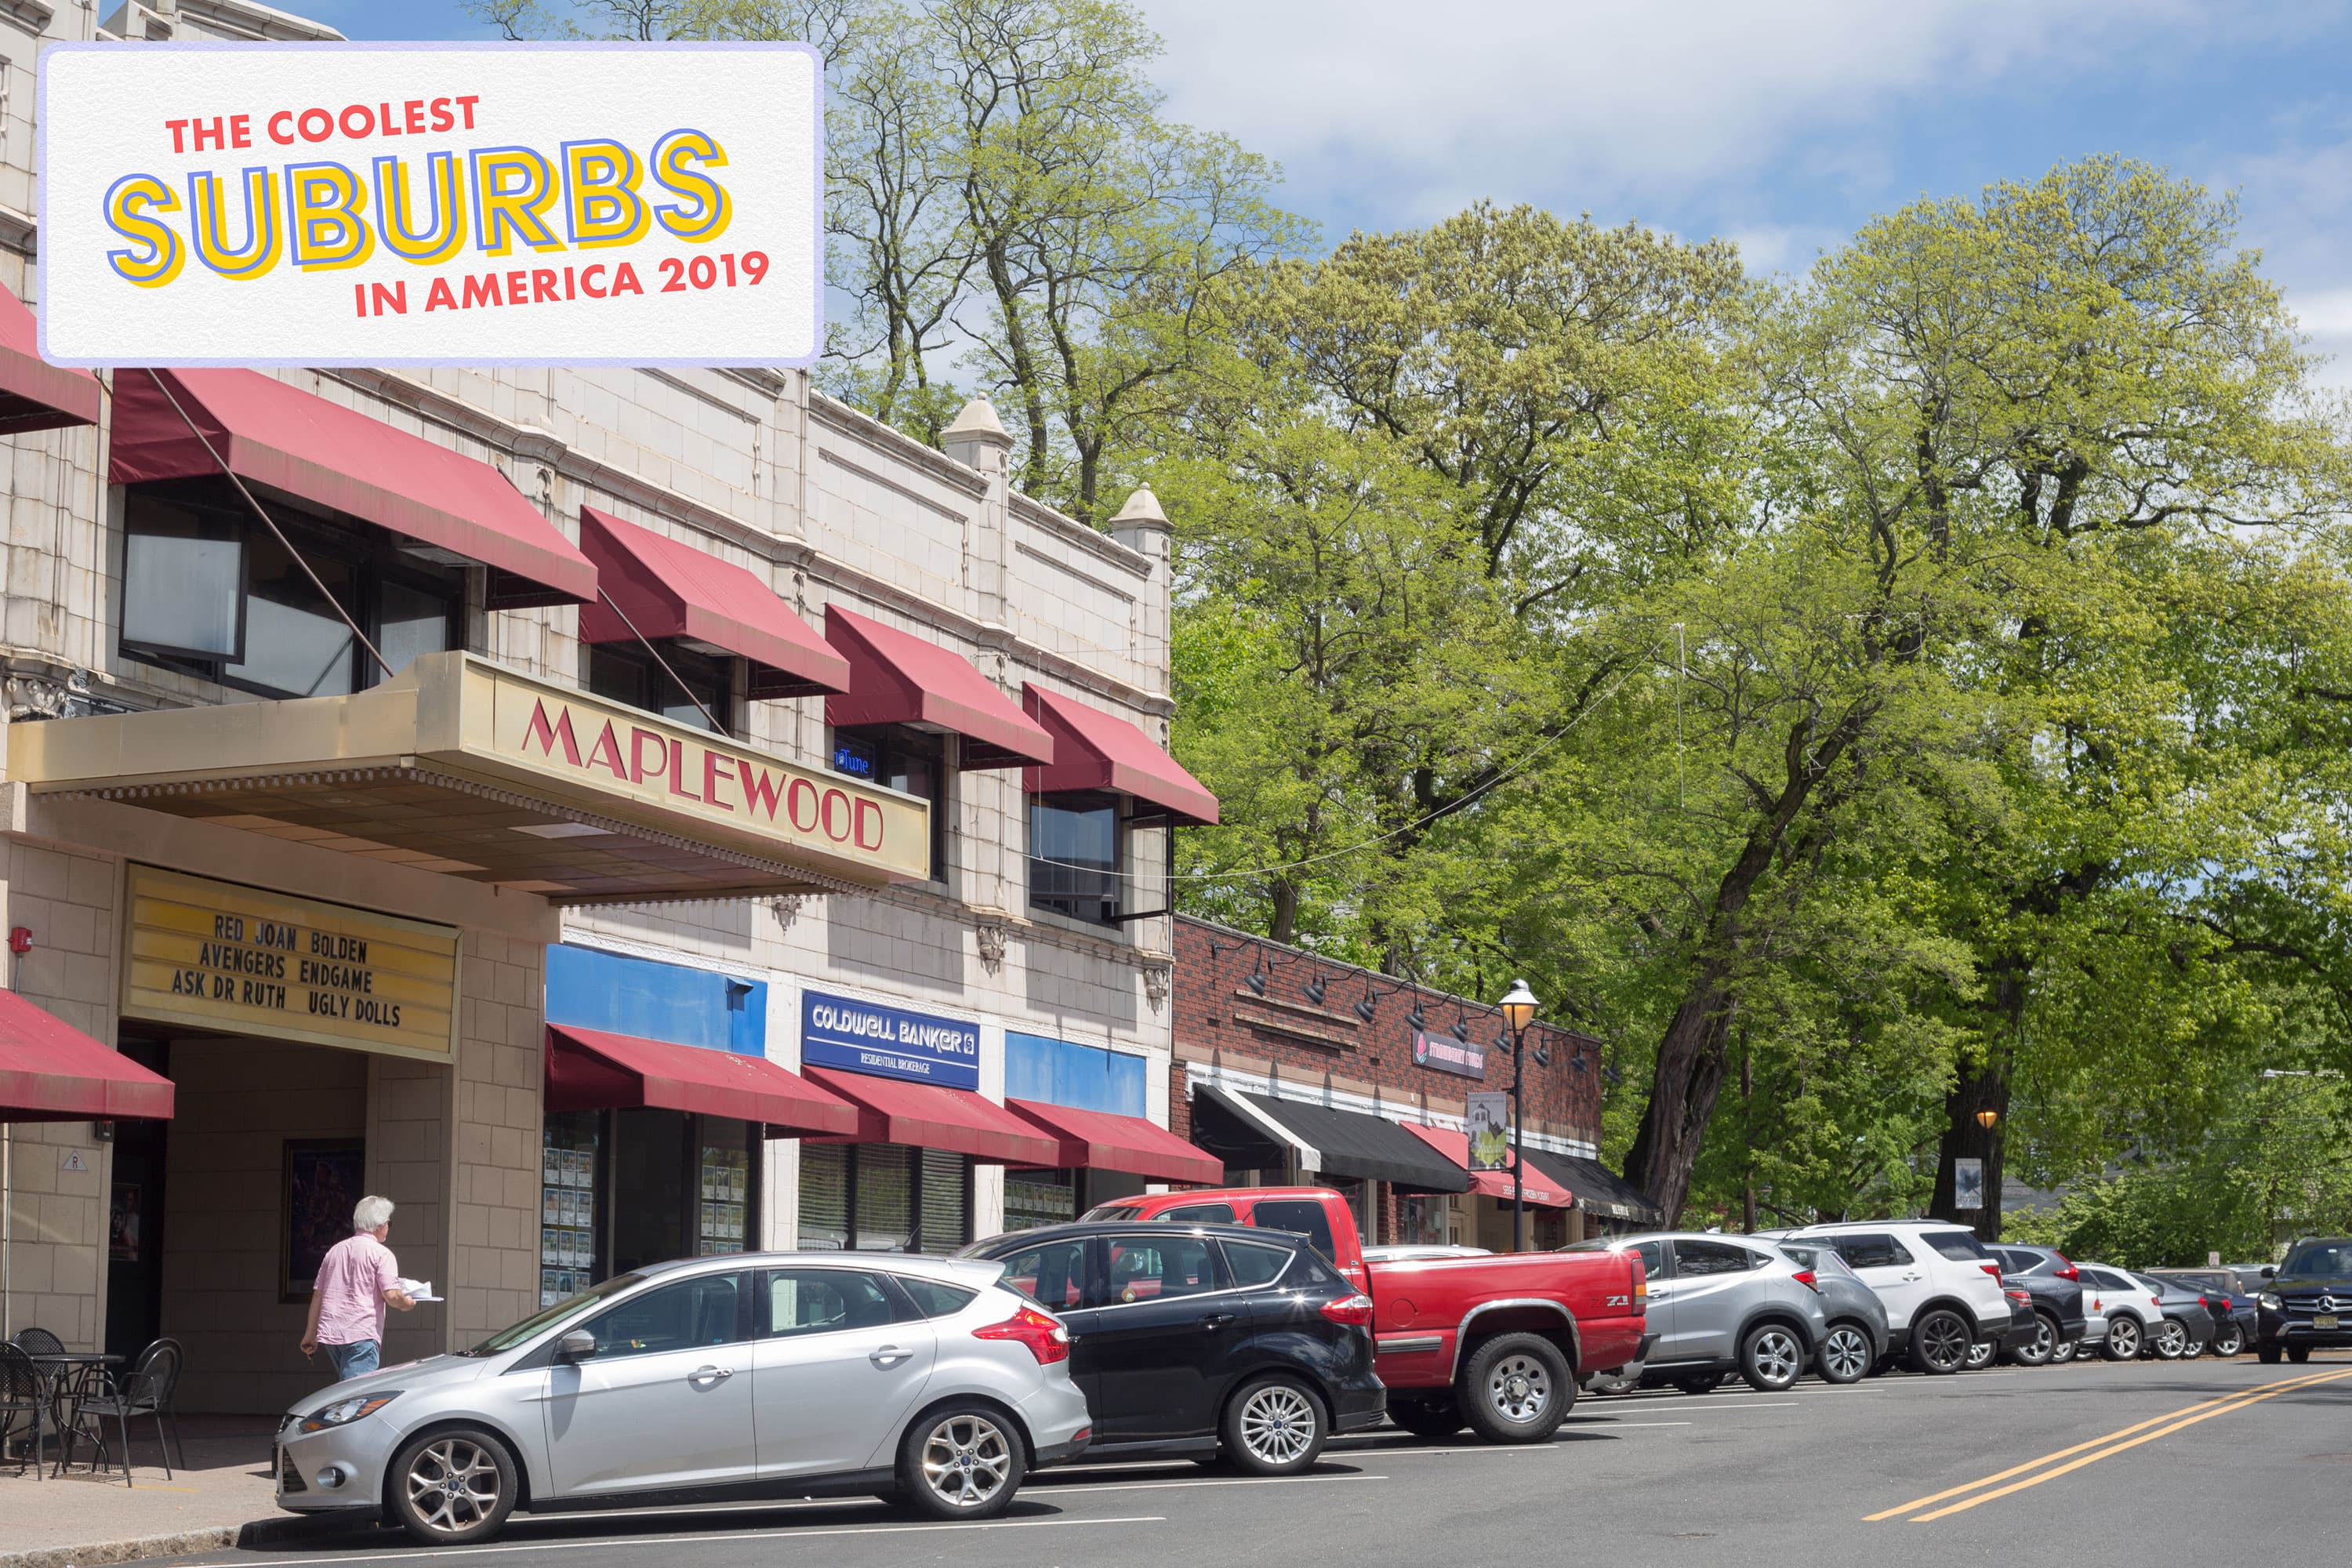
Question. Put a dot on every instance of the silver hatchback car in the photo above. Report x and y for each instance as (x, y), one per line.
(1721, 1304)
(925, 1380)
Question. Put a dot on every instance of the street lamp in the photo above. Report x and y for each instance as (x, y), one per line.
(1987, 1117)
(1519, 1007)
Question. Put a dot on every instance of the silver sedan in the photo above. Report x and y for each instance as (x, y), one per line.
(805, 1375)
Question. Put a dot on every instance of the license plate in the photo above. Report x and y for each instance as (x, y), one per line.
(2326, 1322)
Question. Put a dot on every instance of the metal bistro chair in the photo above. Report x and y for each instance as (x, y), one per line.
(145, 1391)
(23, 1388)
(38, 1342)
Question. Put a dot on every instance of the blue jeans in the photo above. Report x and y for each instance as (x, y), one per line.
(352, 1360)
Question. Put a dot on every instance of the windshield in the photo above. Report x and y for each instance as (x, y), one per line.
(2319, 1260)
(548, 1316)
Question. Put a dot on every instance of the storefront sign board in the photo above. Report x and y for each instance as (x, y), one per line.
(1464, 1059)
(242, 960)
(888, 1042)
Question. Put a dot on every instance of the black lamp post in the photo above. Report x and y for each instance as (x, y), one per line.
(1519, 1007)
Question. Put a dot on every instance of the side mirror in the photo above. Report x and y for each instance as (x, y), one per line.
(577, 1346)
(2269, 1273)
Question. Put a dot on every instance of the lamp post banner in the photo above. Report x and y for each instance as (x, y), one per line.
(431, 203)
(1488, 1124)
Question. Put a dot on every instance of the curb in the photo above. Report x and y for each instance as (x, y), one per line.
(213, 1538)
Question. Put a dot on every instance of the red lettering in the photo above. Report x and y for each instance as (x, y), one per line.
(412, 117)
(482, 290)
(178, 128)
(240, 130)
(677, 772)
(442, 117)
(625, 280)
(284, 116)
(543, 284)
(366, 126)
(607, 751)
(440, 298)
(567, 283)
(518, 286)
(849, 817)
(711, 778)
(867, 811)
(793, 805)
(359, 299)
(759, 790)
(467, 103)
(326, 125)
(638, 739)
(588, 284)
(201, 130)
(547, 734)
(383, 118)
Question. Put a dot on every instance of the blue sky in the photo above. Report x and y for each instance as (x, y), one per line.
(1780, 125)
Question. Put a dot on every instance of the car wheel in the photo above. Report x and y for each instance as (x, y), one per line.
(1704, 1382)
(1517, 1389)
(2267, 1354)
(1980, 1354)
(1770, 1358)
(1846, 1353)
(2123, 1340)
(2066, 1351)
(2169, 1342)
(1940, 1342)
(960, 1461)
(449, 1488)
(2298, 1353)
(2230, 1339)
(1275, 1427)
(1426, 1417)
(2037, 1350)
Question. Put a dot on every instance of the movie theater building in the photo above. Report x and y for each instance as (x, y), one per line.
(1289, 1068)
(752, 834)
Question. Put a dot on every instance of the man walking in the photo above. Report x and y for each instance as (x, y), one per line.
(357, 1281)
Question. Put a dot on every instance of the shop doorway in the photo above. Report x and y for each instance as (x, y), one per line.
(135, 1220)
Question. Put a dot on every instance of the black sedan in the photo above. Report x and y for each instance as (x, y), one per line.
(2235, 1318)
(1203, 1339)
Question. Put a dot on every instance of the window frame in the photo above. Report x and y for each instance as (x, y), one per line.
(890, 743)
(743, 1305)
(689, 664)
(763, 1328)
(1101, 1294)
(1081, 801)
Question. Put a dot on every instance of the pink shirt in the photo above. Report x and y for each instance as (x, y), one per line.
(352, 1281)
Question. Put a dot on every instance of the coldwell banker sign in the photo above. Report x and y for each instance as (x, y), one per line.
(888, 1042)
(430, 204)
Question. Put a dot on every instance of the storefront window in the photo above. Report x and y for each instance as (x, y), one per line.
(568, 1166)
(1420, 1219)
(1074, 857)
(625, 672)
(901, 759)
(1032, 1198)
(725, 1170)
(682, 1187)
(890, 1197)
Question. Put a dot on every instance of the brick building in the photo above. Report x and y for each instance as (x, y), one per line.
(1290, 1067)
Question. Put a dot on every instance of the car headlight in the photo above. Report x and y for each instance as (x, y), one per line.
(342, 1412)
(2269, 1301)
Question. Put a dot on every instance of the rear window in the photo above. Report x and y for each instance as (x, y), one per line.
(934, 1299)
(1819, 1259)
(1255, 1263)
(1870, 1250)
(1959, 1245)
(1299, 1217)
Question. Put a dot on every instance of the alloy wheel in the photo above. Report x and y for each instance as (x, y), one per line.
(1846, 1354)
(2230, 1340)
(965, 1460)
(1773, 1356)
(453, 1485)
(1944, 1341)
(2064, 1352)
(2123, 1339)
(2043, 1347)
(1518, 1387)
(1277, 1424)
(2171, 1340)
(1980, 1354)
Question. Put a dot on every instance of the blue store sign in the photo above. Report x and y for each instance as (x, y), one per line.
(887, 1041)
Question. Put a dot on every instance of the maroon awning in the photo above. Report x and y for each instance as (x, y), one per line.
(930, 1116)
(1093, 750)
(899, 678)
(51, 1071)
(589, 1069)
(1541, 1190)
(281, 435)
(1102, 1140)
(34, 394)
(667, 588)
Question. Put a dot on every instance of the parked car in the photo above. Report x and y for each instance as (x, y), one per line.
(2051, 1314)
(1497, 1340)
(1855, 1339)
(2031, 1263)
(2129, 1310)
(1402, 1252)
(1724, 1304)
(2308, 1304)
(2236, 1318)
(2253, 1279)
(1202, 1339)
(766, 1374)
(2021, 1334)
(2187, 1325)
(1941, 1286)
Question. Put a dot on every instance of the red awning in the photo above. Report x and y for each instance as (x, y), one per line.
(930, 1117)
(278, 435)
(588, 1069)
(669, 589)
(1541, 1190)
(899, 678)
(1094, 751)
(51, 1071)
(34, 394)
(1099, 1141)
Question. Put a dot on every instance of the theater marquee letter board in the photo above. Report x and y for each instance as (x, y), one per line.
(246, 962)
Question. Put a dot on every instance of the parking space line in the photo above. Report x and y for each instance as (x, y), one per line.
(1204, 1482)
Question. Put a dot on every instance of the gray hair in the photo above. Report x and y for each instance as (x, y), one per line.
(371, 1212)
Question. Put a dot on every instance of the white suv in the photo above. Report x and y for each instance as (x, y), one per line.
(1941, 1286)
(2126, 1310)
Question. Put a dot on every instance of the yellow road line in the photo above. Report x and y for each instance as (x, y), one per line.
(2092, 1443)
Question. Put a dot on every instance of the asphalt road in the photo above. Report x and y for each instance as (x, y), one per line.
(2201, 1461)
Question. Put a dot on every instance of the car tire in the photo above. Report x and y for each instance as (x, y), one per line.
(2067, 1351)
(1982, 1353)
(1846, 1353)
(452, 1488)
(2042, 1346)
(1771, 1358)
(1940, 1342)
(1703, 1382)
(1517, 1389)
(2169, 1342)
(960, 1461)
(2123, 1340)
(2229, 1340)
(1275, 1427)
(1426, 1417)
(2267, 1354)
(2298, 1354)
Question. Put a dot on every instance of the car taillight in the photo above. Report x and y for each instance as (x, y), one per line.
(1045, 1337)
(2204, 1303)
(1991, 1269)
(2024, 1296)
(1806, 1277)
(2155, 1301)
(2066, 1271)
(1355, 1311)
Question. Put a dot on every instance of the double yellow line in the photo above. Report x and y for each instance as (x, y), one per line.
(1988, 1487)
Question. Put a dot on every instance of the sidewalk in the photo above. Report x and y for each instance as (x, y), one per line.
(224, 1492)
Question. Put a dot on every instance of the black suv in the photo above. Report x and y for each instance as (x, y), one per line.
(1197, 1339)
(2308, 1304)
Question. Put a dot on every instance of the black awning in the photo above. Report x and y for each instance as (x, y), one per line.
(1597, 1189)
(1245, 1130)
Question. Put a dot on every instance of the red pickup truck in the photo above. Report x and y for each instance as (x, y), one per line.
(1499, 1340)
